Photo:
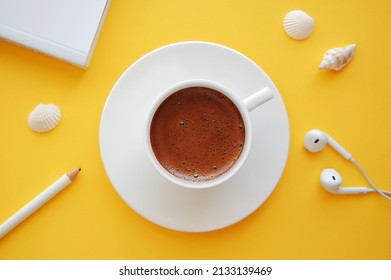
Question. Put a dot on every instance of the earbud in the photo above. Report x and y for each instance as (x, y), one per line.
(331, 181)
(315, 140)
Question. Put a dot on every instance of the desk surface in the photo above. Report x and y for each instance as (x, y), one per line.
(300, 220)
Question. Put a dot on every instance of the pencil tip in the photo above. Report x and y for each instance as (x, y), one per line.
(72, 174)
(79, 169)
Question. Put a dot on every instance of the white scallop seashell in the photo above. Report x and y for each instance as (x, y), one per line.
(298, 25)
(44, 117)
(337, 58)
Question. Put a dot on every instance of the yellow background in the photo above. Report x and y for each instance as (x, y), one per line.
(300, 220)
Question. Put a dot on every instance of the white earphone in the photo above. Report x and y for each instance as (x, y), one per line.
(331, 181)
(314, 141)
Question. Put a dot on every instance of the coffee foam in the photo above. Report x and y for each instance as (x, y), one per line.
(197, 134)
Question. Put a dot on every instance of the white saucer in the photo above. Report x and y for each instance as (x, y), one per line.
(142, 187)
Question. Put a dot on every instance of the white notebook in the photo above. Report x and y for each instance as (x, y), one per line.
(65, 29)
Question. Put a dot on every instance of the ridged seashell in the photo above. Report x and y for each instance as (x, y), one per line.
(298, 25)
(337, 58)
(44, 117)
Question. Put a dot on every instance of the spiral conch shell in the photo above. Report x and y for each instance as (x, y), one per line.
(298, 25)
(44, 117)
(337, 58)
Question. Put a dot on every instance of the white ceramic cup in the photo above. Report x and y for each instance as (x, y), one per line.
(244, 106)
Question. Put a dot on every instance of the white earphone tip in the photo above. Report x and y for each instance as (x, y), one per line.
(330, 179)
(315, 140)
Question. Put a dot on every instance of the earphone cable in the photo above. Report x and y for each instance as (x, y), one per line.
(381, 192)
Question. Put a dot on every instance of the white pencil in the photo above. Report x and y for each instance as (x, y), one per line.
(38, 201)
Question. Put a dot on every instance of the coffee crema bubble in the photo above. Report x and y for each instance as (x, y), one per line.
(197, 134)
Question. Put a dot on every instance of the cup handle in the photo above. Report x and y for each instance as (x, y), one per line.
(258, 98)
